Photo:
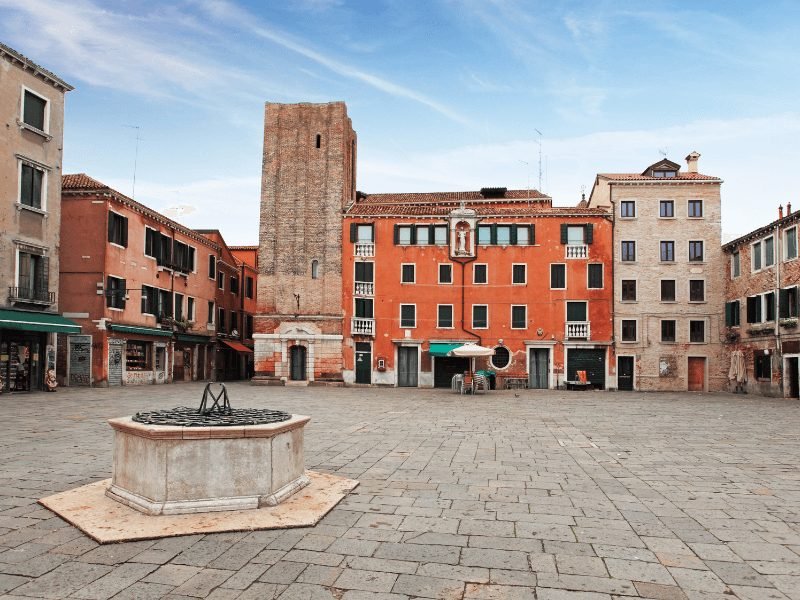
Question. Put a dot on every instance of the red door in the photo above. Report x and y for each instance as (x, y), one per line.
(697, 374)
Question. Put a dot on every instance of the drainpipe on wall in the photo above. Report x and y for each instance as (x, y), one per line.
(463, 262)
(613, 286)
(778, 344)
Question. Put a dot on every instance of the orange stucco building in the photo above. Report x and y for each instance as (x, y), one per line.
(422, 273)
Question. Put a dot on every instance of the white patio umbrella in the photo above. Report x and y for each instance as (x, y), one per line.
(471, 351)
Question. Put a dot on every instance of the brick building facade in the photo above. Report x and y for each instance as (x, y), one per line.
(308, 179)
(761, 310)
(138, 283)
(423, 273)
(668, 277)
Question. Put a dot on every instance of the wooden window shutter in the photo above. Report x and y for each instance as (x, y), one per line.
(125, 231)
(729, 314)
(372, 226)
(532, 234)
(43, 276)
(751, 308)
(784, 303)
(432, 234)
(397, 234)
(353, 232)
(588, 233)
(493, 234)
(110, 226)
(414, 234)
(563, 233)
(514, 234)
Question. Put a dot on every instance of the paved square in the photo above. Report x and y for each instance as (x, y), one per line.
(548, 495)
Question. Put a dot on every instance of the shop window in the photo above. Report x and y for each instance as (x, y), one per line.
(138, 356)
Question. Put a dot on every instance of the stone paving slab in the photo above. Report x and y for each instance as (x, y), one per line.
(547, 495)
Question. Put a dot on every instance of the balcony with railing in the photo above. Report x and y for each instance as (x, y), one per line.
(577, 251)
(31, 295)
(365, 249)
(577, 330)
(362, 326)
(364, 288)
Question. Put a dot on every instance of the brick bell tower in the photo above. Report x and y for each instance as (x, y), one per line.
(308, 178)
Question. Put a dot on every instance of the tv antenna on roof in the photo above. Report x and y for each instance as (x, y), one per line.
(663, 151)
(540, 157)
(135, 157)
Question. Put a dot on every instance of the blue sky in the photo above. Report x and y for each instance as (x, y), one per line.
(444, 94)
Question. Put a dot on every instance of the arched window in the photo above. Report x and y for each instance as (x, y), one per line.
(315, 269)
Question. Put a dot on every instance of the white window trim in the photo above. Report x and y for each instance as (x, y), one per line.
(733, 272)
(705, 252)
(114, 308)
(354, 273)
(674, 212)
(111, 211)
(764, 307)
(510, 359)
(634, 279)
(764, 264)
(472, 315)
(635, 341)
(213, 320)
(356, 301)
(602, 276)
(414, 326)
(583, 235)
(487, 273)
(191, 317)
(21, 160)
(414, 280)
(689, 290)
(550, 276)
(674, 257)
(753, 257)
(43, 132)
(702, 208)
(661, 331)
(144, 243)
(635, 210)
(444, 243)
(705, 332)
(635, 252)
(511, 316)
(174, 303)
(785, 257)
(372, 233)
(676, 291)
(586, 310)
(452, 317)
(439, 273)
(528, 224)
(525, 271)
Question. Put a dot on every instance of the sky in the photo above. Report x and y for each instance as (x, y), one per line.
(445, 95)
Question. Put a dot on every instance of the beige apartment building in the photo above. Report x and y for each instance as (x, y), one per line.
(32, 110)
(669, 281)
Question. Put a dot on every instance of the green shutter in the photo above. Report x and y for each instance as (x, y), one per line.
(532, 234)
(729, 314)
(397, 234)
(784, 303)
(563, 233)
(588, 233)
(353, 232)
(493, 236)
(513, 236)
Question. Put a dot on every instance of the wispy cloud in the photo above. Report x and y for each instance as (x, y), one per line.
(240, 18)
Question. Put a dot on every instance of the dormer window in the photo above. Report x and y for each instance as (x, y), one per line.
(663, 169)
(664, 173)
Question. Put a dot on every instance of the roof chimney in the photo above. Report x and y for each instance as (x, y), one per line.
(780, 211)
(788, 208)
(691, 162)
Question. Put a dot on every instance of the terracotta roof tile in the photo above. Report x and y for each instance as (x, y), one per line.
(402, 210)
(455, 197)
(639, 177)
(81, 181)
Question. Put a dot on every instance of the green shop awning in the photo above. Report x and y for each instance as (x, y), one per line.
(22, 320)
(192, 339)
(442, 348)
(135, 330)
